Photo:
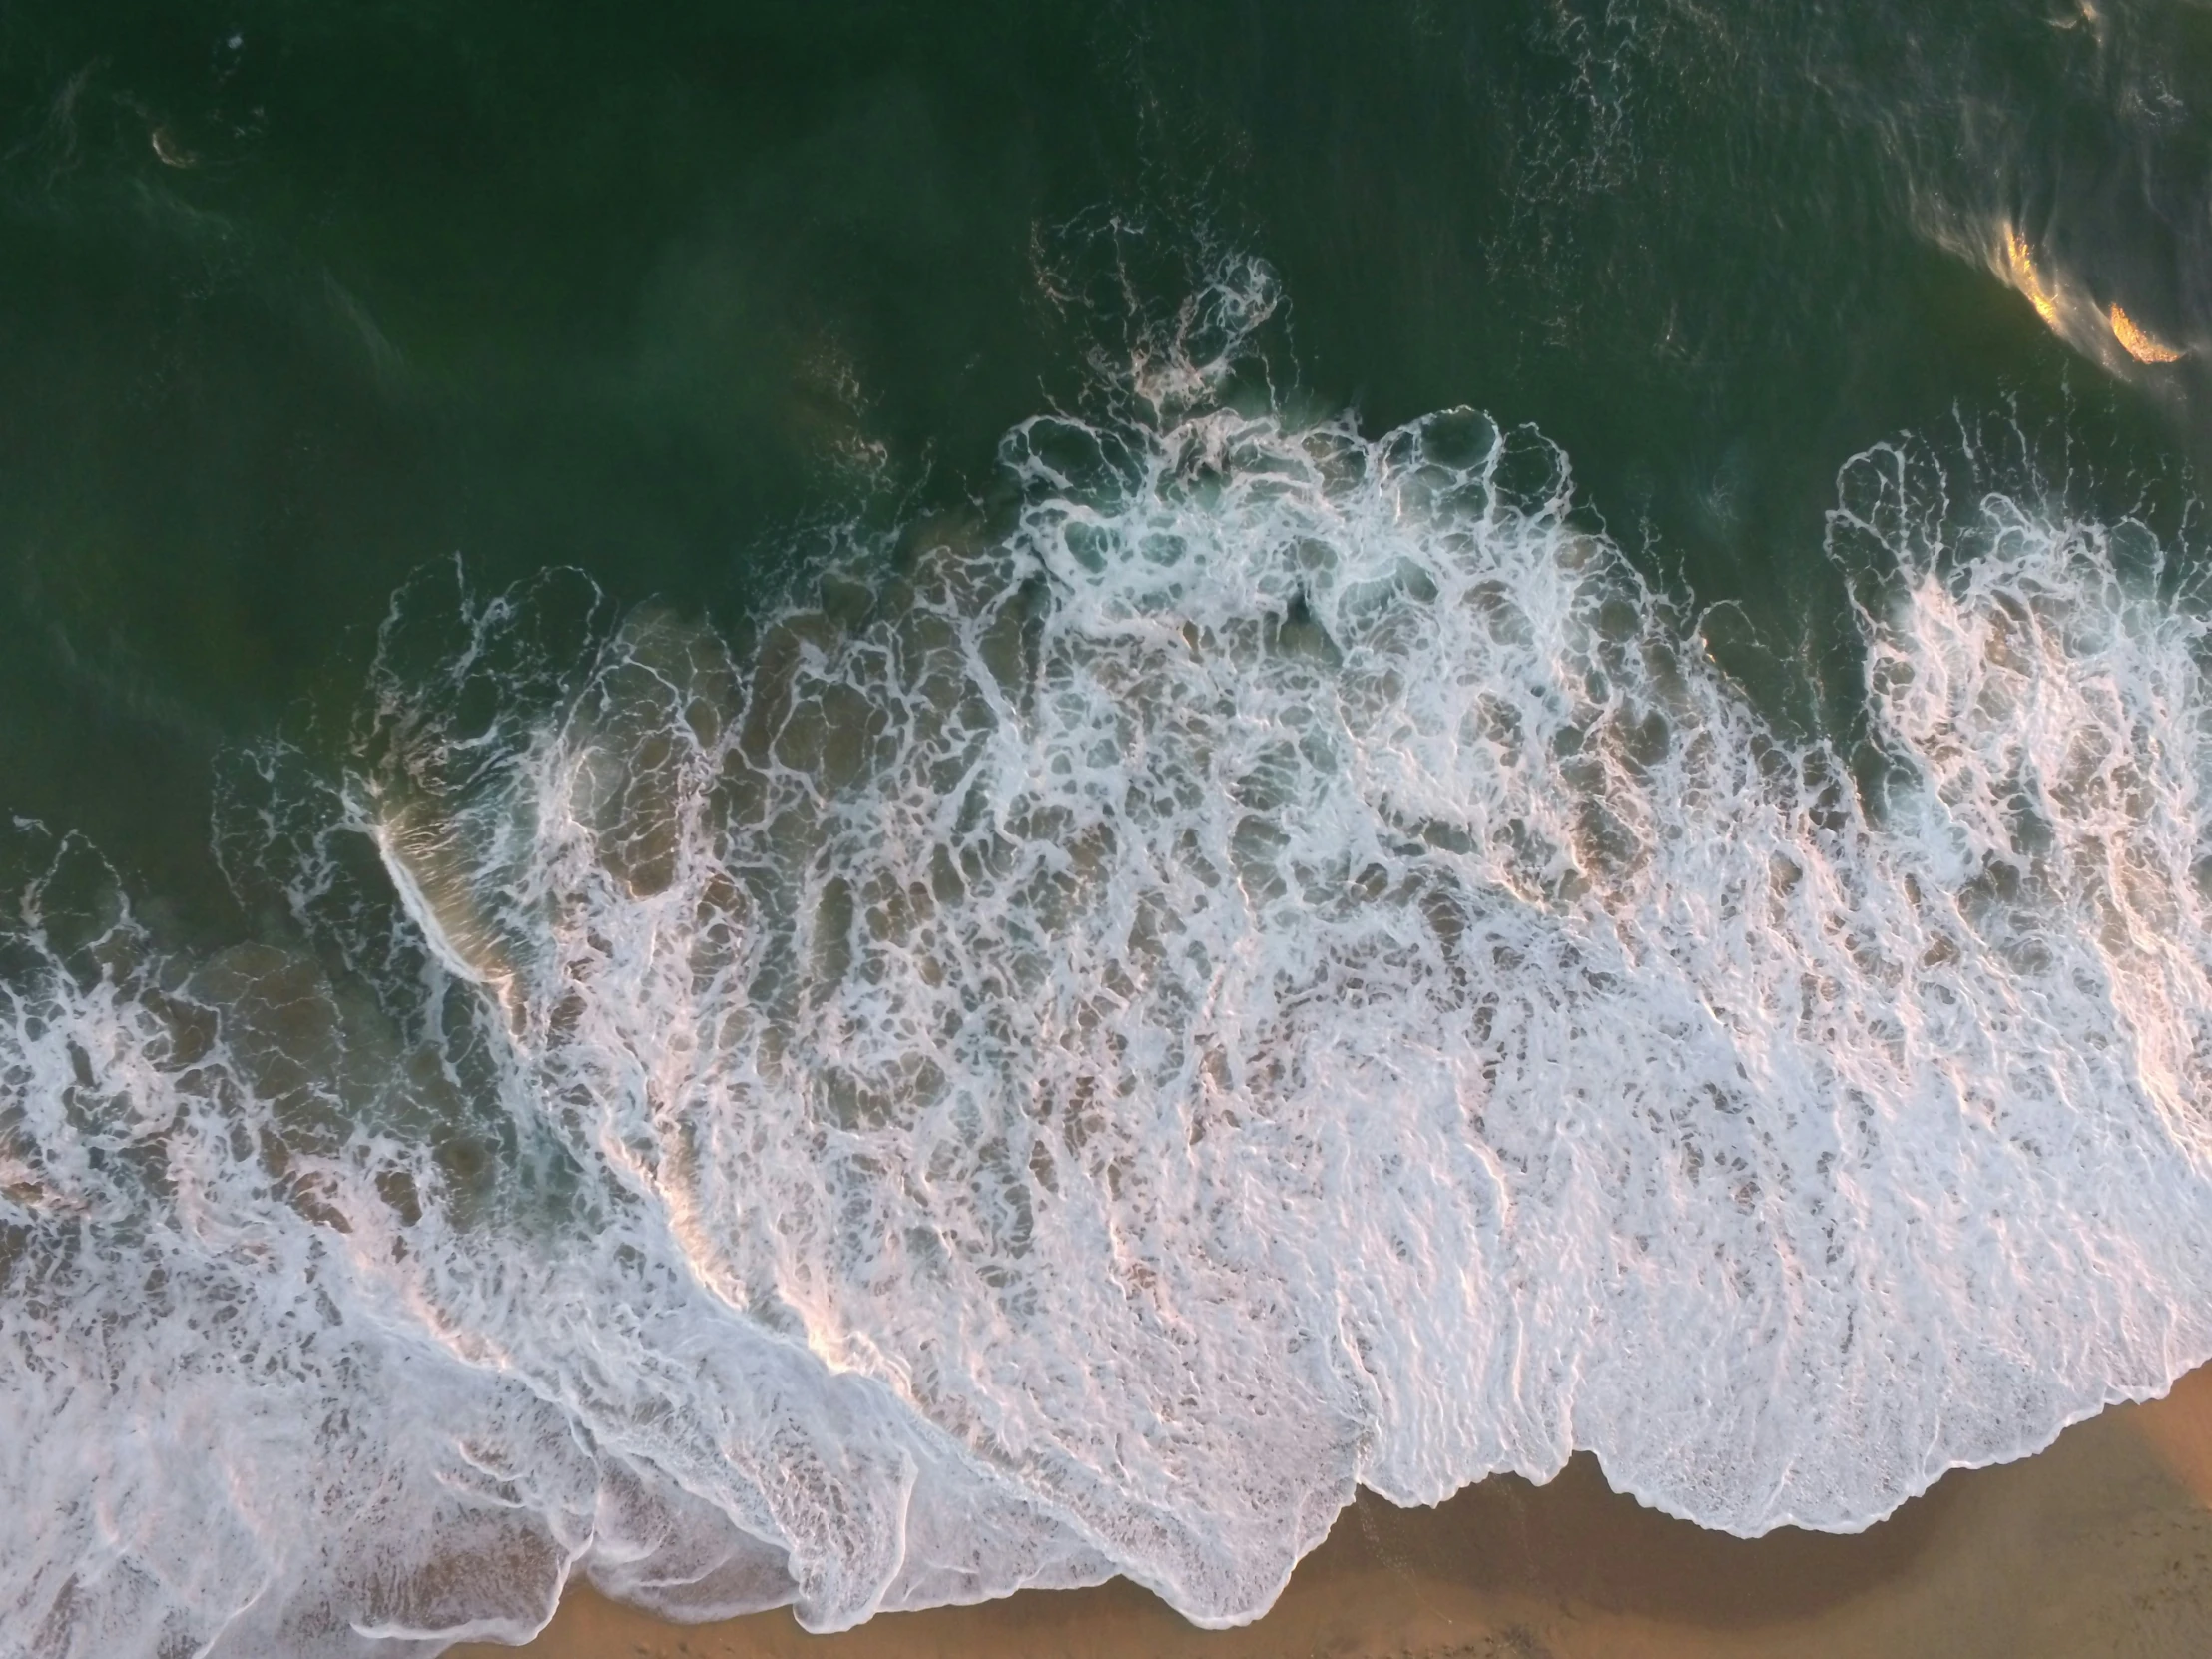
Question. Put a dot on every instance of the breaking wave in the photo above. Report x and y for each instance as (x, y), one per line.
(1274, 963)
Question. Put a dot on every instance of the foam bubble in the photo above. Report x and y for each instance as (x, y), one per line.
(1281, 965)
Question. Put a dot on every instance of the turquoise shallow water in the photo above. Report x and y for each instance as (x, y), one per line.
(850, 803)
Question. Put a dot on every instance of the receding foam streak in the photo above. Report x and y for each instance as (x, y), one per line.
(1283, 966)
(400, 866)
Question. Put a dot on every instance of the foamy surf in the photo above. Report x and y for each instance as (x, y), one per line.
(1280, 964)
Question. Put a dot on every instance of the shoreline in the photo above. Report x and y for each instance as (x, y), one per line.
(2100, 1543)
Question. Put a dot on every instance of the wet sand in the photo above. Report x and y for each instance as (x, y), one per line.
(2101, 1545)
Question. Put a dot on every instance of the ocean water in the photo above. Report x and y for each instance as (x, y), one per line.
(847, 806)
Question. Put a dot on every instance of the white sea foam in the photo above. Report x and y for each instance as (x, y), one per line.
(1283, 966)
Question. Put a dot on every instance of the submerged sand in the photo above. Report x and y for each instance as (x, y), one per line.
(2101, 1545)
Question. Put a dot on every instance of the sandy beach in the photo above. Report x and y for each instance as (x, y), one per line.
(2101, 1545)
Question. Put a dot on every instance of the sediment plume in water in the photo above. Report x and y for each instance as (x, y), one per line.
(1279, 965)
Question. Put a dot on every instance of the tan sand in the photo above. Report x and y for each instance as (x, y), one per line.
(2101, 1545)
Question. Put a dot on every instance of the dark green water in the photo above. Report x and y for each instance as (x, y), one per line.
(1302, 745)
(638, 292)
